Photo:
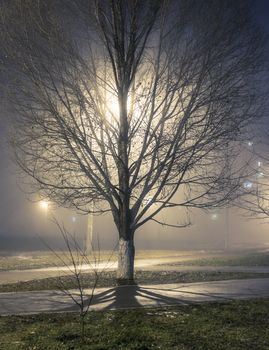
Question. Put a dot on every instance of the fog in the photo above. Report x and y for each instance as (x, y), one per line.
(23, 224)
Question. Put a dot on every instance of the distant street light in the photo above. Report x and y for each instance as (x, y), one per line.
(147, 200)
(260, 174)
(248, 184)
(44, 205)
(214, 216)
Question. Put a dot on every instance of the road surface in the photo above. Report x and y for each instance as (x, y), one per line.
(136, 296)
(13, 276)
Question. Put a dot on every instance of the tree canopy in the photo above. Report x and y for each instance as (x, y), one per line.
(134, 106)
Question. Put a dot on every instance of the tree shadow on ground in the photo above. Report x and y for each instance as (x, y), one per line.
(135, 296)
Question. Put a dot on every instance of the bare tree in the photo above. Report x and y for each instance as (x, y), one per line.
(255, 202)
(74, 259)
(132, 107)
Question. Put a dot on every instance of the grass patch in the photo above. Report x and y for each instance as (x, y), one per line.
(108, 279)
(43, 259)
(212, 326)
(253, 259)
(38, 259)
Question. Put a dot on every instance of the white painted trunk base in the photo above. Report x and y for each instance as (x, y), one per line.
(125, 260)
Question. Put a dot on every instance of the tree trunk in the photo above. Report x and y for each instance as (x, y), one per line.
(125, 272)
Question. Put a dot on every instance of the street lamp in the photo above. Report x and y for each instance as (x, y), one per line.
(44, 205)
(89, 232)
(247, 185)
(214, 216)
(227, 235)
(147, 200)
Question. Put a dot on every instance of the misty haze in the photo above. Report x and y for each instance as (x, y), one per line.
(134, 178)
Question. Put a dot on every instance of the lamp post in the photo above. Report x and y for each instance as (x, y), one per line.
(227, 225)
(89, 232)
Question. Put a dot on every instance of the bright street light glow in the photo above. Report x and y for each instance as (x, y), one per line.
(44, 205)
(147, 200)
(248, 184)
(260, 174)
(113, 106)
(214, 216)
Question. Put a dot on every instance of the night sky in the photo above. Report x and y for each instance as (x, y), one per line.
(22, 221)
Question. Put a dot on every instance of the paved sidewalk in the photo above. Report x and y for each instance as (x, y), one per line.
(136, 296)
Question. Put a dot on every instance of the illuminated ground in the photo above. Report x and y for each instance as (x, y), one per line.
(135, 296)
(41, 259)
(160, 293)
(36, 266)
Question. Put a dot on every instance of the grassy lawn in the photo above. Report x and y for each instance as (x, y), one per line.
(250, 259)
(41, 259)
(47, 259)
(108, 279)
(228, 326)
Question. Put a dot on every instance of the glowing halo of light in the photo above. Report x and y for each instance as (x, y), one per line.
(44, 205)
(214, 216)
(111, 103)
(113, 106)
(147, 200)
(248, 184)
